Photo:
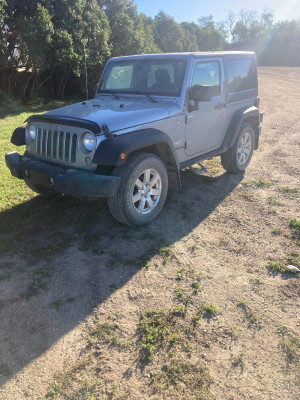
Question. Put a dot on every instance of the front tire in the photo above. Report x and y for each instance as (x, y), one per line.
(143, 189)
(237, 158)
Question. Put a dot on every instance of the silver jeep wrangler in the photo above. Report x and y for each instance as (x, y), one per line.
(152, 115)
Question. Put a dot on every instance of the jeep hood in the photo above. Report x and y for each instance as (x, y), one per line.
(119, 114)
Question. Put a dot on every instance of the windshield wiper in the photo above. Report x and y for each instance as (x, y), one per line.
(147, 95)
(110, 92)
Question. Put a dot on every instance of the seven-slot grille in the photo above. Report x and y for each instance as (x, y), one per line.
(56, 144)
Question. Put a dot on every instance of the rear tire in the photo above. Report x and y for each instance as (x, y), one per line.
(142, 192)
(237, 158)
(42, 190)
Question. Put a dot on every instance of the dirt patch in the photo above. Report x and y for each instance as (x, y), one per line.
(187, 307)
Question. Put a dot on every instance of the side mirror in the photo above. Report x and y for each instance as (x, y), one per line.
(201, 93)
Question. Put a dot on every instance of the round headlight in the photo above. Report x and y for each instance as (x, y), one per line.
(88, 141)
(31, 129)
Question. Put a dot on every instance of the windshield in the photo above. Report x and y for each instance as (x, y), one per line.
(162, 77)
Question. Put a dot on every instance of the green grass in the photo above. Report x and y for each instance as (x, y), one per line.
(282, 330)
(232, 332)
(40, 280)
(167, 254)
(276, 231)
(196, 287)
(295, 227)
(204, 311)
(272, 201)
(181, 274)
(290, 192)
(53, 391)
(59, 303)
(238, 360)
(154, 329)
(253, 319)
(160, 329)
(22, 209)
(4, 370)
(179, 310)
(291, 347)
(209, 309)
(277, 266)
(107, 332)
(294, 259)
(13, 190)
(185, 379)
(182, 297)
(257, 183)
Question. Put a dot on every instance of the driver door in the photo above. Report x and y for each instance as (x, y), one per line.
(205, 127)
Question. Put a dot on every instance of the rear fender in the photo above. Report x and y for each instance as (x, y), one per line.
(247, 114)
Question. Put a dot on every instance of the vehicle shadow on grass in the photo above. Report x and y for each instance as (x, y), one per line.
(61, 257)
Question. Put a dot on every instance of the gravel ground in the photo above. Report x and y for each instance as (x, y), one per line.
(69, 319)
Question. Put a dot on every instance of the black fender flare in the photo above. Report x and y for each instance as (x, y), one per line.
(18, 136)
(150, 140)
(250, 114)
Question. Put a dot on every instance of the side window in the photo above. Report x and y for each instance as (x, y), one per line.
(208, 73)
(241, 75)
(120, 77)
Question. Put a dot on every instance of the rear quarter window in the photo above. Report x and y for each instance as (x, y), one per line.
(241, 75)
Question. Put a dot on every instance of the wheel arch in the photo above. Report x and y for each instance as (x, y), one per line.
(147, 140)
(243, 115)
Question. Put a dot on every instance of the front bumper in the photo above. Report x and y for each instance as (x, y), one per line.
(64, 180)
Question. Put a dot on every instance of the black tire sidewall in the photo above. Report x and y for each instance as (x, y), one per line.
(129, 177)
(246, 127)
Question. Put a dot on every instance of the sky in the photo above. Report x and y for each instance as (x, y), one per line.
(191, 10)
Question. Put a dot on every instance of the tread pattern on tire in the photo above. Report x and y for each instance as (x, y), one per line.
(115, 203)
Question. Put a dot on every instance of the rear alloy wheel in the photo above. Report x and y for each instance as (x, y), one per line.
(143, 190)
(237, 158)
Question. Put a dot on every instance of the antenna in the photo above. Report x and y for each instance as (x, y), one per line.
(86, 74)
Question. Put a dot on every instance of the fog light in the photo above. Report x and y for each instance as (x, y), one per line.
(88, 161)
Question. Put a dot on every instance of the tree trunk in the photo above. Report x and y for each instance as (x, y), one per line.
(59, 90)
(24, 87)
(65, 82)
(47, 78)
(33, 85)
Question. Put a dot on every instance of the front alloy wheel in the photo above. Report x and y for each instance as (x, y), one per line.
(143, 189)
(147, 191)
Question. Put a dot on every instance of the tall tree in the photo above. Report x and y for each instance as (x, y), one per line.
(168, 34)
(128, 33)
(209, 38)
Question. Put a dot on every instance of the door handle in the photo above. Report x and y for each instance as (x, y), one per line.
(220, 105)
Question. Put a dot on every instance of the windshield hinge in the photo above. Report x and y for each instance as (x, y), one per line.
(188, 118)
